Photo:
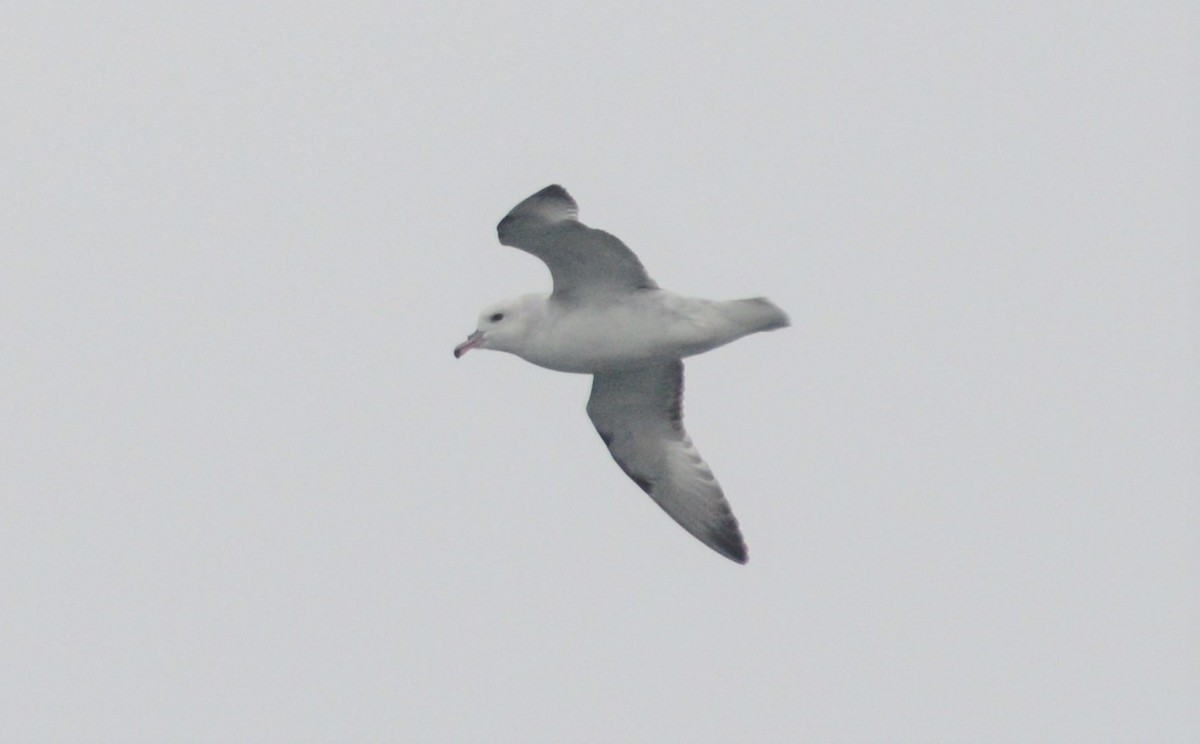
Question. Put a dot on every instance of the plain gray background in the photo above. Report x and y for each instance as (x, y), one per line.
(248, 495)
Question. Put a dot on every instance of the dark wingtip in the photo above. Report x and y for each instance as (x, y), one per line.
(738, 554)
(727, 540)
(531, 208)
(556, 191)
(503, 227)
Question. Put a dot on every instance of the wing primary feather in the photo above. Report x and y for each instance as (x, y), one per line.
(639, 416)
(582, 261)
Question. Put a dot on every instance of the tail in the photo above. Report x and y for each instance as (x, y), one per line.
(758, 314)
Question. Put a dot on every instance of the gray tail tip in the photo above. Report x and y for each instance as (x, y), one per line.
(776, 318)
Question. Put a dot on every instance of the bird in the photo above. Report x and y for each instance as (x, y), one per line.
(606, 317)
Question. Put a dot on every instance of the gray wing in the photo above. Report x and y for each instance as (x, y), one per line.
(582, 261)
(639, 416)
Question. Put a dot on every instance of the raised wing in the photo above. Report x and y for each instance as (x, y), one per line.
(639, 414)
(582, 261)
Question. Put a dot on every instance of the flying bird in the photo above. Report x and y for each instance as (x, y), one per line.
(606, 317)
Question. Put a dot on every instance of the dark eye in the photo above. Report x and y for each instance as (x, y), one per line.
(496, 317)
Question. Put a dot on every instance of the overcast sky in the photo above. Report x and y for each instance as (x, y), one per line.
(247, 494)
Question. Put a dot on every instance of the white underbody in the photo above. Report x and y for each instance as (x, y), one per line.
(637, 329)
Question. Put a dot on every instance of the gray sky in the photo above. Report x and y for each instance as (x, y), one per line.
(247, 494)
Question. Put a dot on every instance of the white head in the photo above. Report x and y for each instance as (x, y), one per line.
(505, 325)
